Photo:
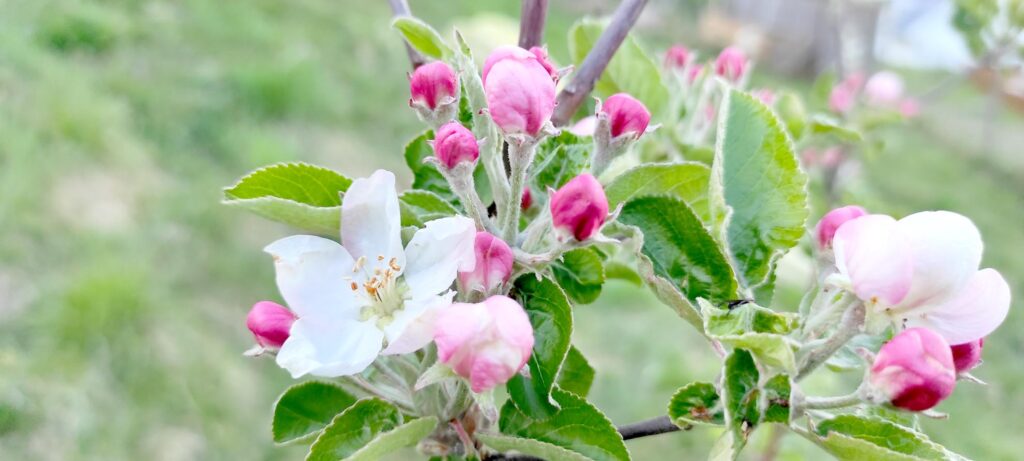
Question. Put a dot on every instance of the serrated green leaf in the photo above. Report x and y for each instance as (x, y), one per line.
(757, 182)
(580, 273)
(551, 317)
(680, 248)
(740, 396)
(777, 394)
(558, 160)
(400, 437)
(696, 403)
(422, 37)
(577, 426)
(880, 433)
(771, 350)
(631, 70)
(531, 447)
(744, 318)
(306, 408)
(426, 176)
(353, 429)
(686, 181)
(420, 206)
(576, 375)
(822, 124)
(299, 194)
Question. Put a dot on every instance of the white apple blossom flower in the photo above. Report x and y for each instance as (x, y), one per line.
(367, 295)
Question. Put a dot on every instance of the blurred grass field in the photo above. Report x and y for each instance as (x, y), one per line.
(124, 284)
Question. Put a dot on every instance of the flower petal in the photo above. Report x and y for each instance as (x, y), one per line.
(437, 252)
(413, 327)
(973, 313)
(946, 250)
(875, 256)
(330, 346)
(311, 274)
(370, 221)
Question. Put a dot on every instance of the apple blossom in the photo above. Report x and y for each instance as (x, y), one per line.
(914, 371)
(844, 94)
(269, 323)
(455, 144)
(368, 293)
(434, 92)
(967, 355)
(486, 343)
(833, 219)
(493, 265)
(677, 57)
(519, 90)
(579, 208)
(731, 64)
(884, 89)
(626, 115)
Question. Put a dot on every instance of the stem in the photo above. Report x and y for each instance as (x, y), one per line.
(401, 8)
(520, 156)
(849, 327)
(570, 98)
(401, 402)
(826, 403)
(653, 426)
(461, 180)
(531, 23)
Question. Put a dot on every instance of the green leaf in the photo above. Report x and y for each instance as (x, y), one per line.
(745, 318)
(551, 317)
(420, 206)
(402, 436)
(298, 194)
(741, 394)
(792, 112)
(759, 192)
(622, 271)
(580, 273)
(680, 248)
(631, 70)
(825, 125)
(686, 181)
(531, 447)
(578, 426)
(305, 409)
(776, 405)
(426, 176)
(353, 429)
(559, 159)
(422, 37)
(576, 374)
(879, 433)
(696, 403)
(771, 350)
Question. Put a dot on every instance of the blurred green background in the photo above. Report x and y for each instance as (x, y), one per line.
(124, 284)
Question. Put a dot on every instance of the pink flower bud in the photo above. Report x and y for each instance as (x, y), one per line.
(967, 355)
(695, 73)
(579, 208)
(910, 108)
(731, 64)
(493, 264)
(455, 144)
(527, 200)
(519, 89)
(677, 57)
(545, 61)
(844, 94)
(486, 343)
(270, 323)
(833, 219)
(884, 89)
(915, 370)
(626, 115)
(586, 126)
(433, 84)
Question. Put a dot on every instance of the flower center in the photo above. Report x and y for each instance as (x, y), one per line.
(384, 290)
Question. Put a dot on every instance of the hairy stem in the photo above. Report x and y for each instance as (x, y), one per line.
(520, 157)
(401, 8)
(825, 403)
(531, 23)
(849, 326)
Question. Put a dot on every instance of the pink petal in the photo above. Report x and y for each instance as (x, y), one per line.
(975, 312)
(875, 255)
(946, 250)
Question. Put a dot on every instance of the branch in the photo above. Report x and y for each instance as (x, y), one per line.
(401, 8)
(648, 427)
(531, 23)
(597, 59)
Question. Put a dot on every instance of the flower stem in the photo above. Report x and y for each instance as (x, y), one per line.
(826, 403)
(849, 326)
(520, 157)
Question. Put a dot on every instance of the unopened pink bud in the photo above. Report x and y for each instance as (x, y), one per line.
(844, 94)
(579, 208)
(455, 144)
(626, 115)
(270, 323)
(527, 200)
(545, 61)
(967, 355)
(433, 84)
(884, 89)
(677, 57)
(830, 223)
(731, 64)
(493, 264)
(486, 343)
(914, 370)
(519, 89)
(695, 73)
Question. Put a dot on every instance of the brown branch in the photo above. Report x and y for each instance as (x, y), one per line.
(531, 23)
(401, 8)
(597, 59)
(653, 426)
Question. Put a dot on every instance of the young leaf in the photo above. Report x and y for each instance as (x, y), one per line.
(420, 206)
(771, 350)
(402, 436)
(576, 374)
(298, 194)
(744, 318)
(425, 176)
(776, 399)
(686, 181)
(860, 437)
(822, 124)
(559, 159)
(577, 426)
(696, 403)
(353, 429)
(422, 37)
(740, 395)
(622, 271)
(306, 408)
(551, 317)
(580, 273)
(757, 182)
(531, 447)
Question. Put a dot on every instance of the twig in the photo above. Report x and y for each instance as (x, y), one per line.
(849, 326)
(653, 426)
(401, 8)
(570, 98)
(531, 23)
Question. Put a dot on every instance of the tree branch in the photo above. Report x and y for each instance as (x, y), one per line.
(653, 426)
(531, 23)
(597, 59)
(401, 8)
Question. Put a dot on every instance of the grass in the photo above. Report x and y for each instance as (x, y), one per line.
(123, 283)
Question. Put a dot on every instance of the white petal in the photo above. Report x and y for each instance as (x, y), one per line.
(437, 252)
(413, 327)
(973, 313)
(946, 249)
(370, 221)
(311, 275)
(329, 347)
(873, 253)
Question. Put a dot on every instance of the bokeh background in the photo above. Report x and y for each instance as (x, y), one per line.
(124, 284)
